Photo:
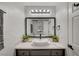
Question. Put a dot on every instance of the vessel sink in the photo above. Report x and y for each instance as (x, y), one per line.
(40, 42)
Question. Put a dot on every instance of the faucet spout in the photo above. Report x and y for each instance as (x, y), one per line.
(40, 36)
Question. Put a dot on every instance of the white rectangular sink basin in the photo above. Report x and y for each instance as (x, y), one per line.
(40, 42)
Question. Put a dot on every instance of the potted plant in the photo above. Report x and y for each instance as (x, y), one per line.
(55, 38)
(25, 38)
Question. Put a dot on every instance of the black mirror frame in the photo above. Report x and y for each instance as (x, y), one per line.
(40, 18)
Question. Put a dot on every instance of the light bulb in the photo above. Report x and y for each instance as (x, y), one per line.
(32, 10)
(44, 10)
(36, 10)
(48, 11)
(40, 10)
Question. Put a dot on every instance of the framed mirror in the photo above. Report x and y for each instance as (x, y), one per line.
(46, 26)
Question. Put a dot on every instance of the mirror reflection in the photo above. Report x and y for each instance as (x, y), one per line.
(45, 27)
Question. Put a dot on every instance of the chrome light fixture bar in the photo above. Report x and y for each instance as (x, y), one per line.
(40, 11)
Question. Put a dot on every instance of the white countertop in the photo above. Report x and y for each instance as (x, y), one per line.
(28, 45)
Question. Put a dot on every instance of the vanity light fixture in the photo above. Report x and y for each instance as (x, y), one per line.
(40, 11)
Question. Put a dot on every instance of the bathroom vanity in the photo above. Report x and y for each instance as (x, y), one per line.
(40, 22)
(26, 49)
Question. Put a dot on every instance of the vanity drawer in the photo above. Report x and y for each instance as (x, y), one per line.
(57, 52)
(22, 52)
(40, 52)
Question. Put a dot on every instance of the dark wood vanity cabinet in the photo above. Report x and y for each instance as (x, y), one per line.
(40, 52)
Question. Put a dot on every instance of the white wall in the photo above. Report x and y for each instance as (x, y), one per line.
(14, 23)
(13, 27)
